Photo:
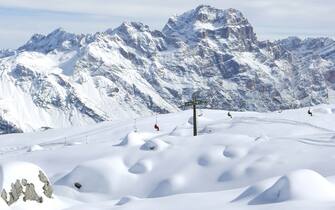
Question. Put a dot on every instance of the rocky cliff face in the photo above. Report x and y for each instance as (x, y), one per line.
(66, 79)
(313, 54)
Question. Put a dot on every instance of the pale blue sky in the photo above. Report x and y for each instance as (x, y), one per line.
(272, 19)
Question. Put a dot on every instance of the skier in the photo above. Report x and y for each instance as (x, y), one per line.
(156, 124)
(310, 112)
(156, 127)
(229, 115)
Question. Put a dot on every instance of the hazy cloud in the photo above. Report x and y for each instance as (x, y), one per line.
(272, 19)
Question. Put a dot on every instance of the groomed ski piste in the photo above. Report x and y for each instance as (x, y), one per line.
(276, 160)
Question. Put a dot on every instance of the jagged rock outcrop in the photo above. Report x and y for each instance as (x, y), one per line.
(32, 188)
(47, 188)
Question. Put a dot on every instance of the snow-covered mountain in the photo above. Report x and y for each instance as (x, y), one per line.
(67, 79)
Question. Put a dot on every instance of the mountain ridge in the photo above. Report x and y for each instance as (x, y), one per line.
(66, 79)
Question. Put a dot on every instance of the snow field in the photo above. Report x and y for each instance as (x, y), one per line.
(240, 163)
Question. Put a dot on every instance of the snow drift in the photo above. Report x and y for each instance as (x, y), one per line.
(298, 185)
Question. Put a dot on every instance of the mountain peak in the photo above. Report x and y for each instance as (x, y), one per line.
(59, 32)
(205, 9)
(206, 21)
(213, 13)
(58, 39)
(209, 14)
(129, 27)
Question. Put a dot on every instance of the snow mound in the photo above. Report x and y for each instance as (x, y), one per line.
(125, 200)
(107, 176)
(136, 138)
(232, 174)
(212, 156)
(141, 167)
(248, 193)
(261, 164)
(234, 152)
(298, 185)
(156, 144)
(169, 186)
(35, 148)
(254, 190)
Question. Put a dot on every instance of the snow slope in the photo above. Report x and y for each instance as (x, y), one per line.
(281, 159)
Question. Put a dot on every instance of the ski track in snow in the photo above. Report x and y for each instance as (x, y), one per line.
(248, 120)
(83, 136)
(245, 120)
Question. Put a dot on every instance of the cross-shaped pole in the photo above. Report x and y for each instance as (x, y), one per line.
(194, 104)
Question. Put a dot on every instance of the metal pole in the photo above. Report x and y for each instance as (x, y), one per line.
(195, 133)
